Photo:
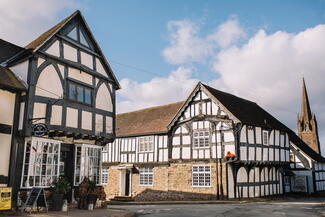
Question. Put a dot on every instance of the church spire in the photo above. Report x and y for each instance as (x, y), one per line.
(307, 124)
(305, 107)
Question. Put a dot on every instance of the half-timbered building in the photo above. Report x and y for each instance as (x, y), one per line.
(68, 111)
(214, 145)
(11, 89)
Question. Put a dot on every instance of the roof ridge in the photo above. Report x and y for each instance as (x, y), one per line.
(149, 108)
(207, 86)
(48, 33)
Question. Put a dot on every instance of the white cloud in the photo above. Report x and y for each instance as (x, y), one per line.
(265, 68)
(227, 33)
(268, 69)
(22, 21)
(187, 44)
(158, 91)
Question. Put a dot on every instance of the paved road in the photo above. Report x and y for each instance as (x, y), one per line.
(299, 208)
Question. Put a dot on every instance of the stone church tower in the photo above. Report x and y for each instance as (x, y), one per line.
(307, 124)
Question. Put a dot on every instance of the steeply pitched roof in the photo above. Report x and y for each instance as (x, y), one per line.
(304, 147)
(250, 113)
(246, 111)
(147, 121)
(9, 81)
(49, 33)
(8, 50)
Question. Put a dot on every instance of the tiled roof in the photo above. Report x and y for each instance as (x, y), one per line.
(9, 81)
(46, 35)
(8, 50)
(250, 113)
(147, 121)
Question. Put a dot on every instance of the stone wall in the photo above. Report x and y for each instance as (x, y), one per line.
(112, 189)
(173, 182)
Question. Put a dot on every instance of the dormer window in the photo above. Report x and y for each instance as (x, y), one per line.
(80, 93)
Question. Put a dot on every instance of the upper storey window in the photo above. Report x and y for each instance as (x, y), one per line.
(201, 139)
(146, 144)
(79, 93)
(265, 138)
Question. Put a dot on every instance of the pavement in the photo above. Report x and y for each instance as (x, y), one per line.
(310, 207)
(289, 207)
(78, 213)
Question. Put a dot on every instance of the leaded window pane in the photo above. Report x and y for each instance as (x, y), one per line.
(201, 176)
(146, 176)
(146, 144)
(201, 139)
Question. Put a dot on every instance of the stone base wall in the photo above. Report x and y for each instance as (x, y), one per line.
(173, 182)
(112, 189)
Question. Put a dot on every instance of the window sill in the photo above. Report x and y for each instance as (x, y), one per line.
(146, 185)
(201, 186)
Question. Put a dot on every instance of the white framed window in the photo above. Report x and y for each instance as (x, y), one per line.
(41, 162)
(104, 176)
(146, 144)
(105, 154)
(146, 176)
(265, 137)
(201, 176)
(87, 163)
(201, 139)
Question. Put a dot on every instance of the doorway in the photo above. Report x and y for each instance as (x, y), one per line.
(66, 168)
(125, 182)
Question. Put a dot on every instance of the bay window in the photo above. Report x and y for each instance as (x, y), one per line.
(87, 163)
(41, 162)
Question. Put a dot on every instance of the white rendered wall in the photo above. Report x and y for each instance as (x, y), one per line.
(49, 84)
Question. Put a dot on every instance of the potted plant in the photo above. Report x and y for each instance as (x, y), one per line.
(60, 186)
(91, 196)
(82, 193)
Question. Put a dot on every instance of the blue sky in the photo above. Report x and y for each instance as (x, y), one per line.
(135, 32)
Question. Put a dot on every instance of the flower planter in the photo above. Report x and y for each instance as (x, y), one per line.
(57, 202)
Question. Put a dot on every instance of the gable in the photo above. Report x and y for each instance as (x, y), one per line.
(201, 103)
(71, 40)
(77, 31)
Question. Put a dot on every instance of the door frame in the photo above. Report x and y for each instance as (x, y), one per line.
(123, 181)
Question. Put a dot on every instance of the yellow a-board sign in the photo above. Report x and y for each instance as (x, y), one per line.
(5, 198)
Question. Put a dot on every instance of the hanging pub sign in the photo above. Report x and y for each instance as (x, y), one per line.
(40, 130)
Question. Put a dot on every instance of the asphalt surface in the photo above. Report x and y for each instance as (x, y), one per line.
(288, 208)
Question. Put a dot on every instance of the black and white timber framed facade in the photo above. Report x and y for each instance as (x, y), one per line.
(71, 96)
(212, 146)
